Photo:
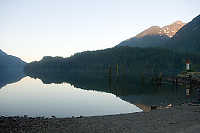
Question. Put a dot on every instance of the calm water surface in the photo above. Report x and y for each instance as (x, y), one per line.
(33, 98)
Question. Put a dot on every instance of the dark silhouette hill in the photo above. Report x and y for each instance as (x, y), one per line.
(11, 68)
(9, 61)
(154, 36)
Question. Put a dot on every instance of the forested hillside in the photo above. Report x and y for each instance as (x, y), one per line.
(120, 61)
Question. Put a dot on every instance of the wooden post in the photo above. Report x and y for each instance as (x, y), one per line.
(176, 81)
(110, 77)
(117, 69)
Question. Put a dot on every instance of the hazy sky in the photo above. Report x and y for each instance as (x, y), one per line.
(31, 29)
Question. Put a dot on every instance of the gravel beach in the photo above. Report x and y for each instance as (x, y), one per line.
(179, 119)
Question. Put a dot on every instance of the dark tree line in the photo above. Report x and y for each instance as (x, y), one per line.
(124, 62)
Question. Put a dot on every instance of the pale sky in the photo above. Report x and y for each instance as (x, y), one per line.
(31, 29)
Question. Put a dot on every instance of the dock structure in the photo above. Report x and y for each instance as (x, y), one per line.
(188, 79)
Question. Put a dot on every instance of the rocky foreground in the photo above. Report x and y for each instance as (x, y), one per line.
(179, 119)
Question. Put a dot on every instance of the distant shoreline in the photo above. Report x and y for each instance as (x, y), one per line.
(183, 119)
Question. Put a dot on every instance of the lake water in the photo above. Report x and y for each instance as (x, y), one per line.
(63, 97)
(33, 98)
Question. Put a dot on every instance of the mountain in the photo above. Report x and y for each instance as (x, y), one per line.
(11, 68)
(2, 53)
(187, 39)
(9, 61)
(154, 36)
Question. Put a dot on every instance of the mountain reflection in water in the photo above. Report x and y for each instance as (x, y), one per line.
(132, 90)
(33, 98)
(8, 76)
(140, 93)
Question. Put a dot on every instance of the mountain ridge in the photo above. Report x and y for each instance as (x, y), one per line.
(2, 53)
(154, 36)
(10, 61)
(187, 39)
(11, 69)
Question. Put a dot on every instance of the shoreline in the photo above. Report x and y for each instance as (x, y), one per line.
(181, 119)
